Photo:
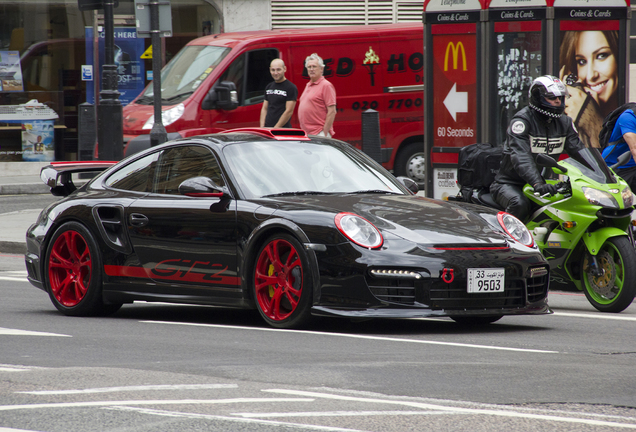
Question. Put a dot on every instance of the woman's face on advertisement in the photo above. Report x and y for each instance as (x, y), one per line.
(596, 65)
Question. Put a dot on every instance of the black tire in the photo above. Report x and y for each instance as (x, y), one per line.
(411, 162)
(73, 272)
(282, 282)
(614, 291)
(475, 320)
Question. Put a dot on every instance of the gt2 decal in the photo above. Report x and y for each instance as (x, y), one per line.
(182, 268)
(178, 270)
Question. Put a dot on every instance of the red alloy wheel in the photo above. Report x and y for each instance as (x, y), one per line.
(70, 268)
(278, 280)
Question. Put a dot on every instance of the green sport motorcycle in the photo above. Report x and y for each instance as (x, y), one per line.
(584, 231)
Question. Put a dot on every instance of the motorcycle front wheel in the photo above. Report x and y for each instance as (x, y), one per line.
(613, 287)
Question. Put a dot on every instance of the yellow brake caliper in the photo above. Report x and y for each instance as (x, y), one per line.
(270, 271)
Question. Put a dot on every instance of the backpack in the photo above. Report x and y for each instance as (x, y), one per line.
(478, 164)
(609, 123)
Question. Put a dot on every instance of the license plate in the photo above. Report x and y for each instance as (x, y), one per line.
(486, 280)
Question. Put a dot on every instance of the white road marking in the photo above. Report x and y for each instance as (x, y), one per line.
(134, 389)
(150, 402)
(355, 336)
(16, 332)
(600, 315)
(453, 409)
(13, 279)
(15, 272)
(17, 368)
(296, 426)
(14, 430)
(14, 275)
(341, 414)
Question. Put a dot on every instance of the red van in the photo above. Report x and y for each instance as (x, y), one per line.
(376, 67)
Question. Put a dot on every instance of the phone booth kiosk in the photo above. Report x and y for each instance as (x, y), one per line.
(517, 54)
(451, 114)
(591, 46)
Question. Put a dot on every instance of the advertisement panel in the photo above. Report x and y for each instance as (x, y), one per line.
(130, 68)
(452, 93)
(38, 141)
(590, 65)
(455, 85)
(519, 60)
(10, 72)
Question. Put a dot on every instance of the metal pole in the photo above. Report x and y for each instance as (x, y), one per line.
(110, 127)
(158, 134)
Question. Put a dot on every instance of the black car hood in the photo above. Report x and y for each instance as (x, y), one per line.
(418, 219)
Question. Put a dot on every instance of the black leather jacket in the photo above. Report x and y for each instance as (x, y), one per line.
(529, 134)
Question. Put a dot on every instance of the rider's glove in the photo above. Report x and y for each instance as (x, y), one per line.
(545, 189)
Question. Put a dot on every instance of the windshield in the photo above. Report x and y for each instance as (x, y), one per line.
(592, 165)
(185, 73)
(288, 168)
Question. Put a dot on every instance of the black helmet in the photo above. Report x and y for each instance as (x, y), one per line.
(550, 87)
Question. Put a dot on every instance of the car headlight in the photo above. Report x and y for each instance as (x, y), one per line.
(168, 116)
(599, 197)
(515, 228)
(359, 230)
(628, 197)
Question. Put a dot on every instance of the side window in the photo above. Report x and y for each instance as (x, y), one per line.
(181, 163)
(136, 176)
(258, 75)
(251, 79)
(235, 73)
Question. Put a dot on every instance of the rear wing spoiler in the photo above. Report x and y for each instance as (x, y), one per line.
(59, 175)
(280, 134)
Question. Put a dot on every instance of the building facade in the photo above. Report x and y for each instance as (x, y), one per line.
(50, 53)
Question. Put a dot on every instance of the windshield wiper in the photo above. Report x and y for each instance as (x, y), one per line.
(297, 193)
(375, 191)
(145, 99)
(177, 96)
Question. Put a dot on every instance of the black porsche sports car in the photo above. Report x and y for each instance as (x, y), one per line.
(292, 225)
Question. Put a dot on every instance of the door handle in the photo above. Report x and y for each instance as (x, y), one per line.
(138, 220)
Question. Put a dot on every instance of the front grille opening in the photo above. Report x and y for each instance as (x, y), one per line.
(455, 296)
(538, 288)
(400, 291)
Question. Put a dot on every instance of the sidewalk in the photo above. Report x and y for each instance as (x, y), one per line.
(18, 179)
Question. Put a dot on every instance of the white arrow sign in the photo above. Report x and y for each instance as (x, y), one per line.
(456, 102)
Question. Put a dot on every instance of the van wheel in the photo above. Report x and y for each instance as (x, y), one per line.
(411, 162)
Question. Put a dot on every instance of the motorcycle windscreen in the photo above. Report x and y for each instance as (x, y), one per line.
(592, 165)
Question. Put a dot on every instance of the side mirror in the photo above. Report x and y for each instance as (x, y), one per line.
(200, 187)
(622, 160)
(222, 95)
(409, 183)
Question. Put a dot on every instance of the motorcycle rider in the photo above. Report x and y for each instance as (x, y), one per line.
(538, 128)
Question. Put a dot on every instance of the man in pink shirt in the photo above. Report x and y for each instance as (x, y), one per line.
(317, 104)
